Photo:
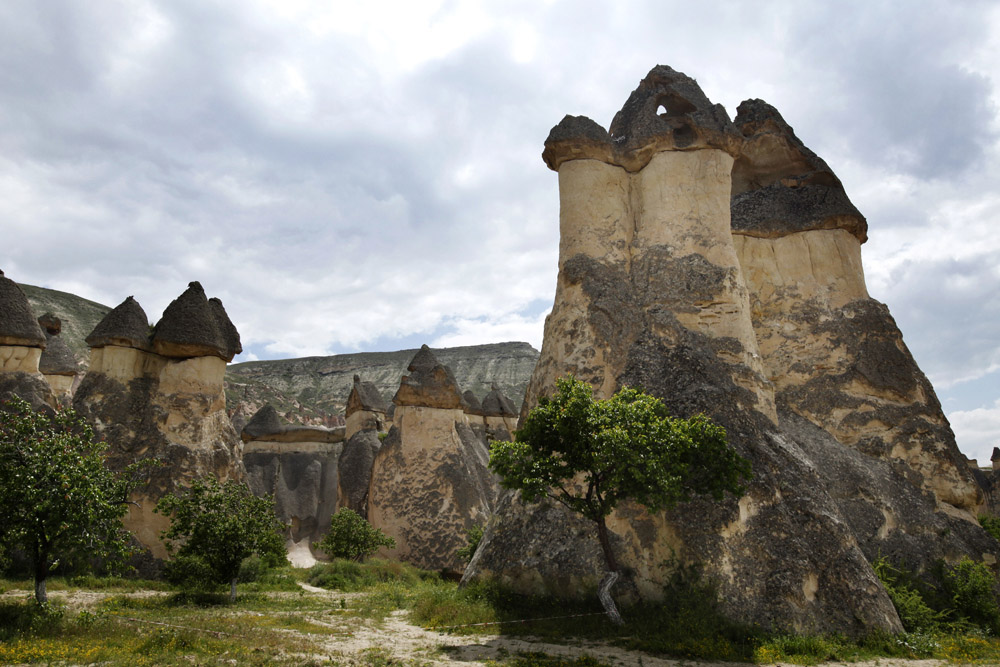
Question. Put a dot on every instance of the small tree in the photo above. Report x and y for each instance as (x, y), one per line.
(591, 454)
(214, 527)
(59, 503)
(352, 537)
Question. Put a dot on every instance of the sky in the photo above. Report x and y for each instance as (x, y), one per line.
(352, 176)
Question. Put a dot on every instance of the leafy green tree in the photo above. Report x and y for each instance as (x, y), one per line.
(214, 527)
(352, 537)
(591, 454)
(59, 503)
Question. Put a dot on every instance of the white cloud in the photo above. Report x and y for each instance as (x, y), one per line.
(978, 430)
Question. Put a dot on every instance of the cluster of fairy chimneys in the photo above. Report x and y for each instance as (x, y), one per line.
(122, 345)
(429, 385)
(192, 326)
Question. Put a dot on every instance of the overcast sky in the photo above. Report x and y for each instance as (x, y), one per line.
(353, 176)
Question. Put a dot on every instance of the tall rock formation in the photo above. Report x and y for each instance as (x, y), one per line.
(298, 467)
(21, 344)
(366, 419)
(58, 363)
(430, 482)
(835, 355)
(653, 292)
(159, 394)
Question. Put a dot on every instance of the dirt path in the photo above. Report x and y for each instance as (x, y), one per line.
(394, 640)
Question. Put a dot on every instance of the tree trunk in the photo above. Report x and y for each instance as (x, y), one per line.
(232, 589)
(41, 566)
(40, 595)
(604, 589)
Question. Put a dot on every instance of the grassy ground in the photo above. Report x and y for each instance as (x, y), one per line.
(275, 621)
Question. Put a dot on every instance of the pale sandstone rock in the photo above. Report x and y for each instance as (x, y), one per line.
(834, 355)
(430, 481)
(19, 359)
(171, 409)
(651, 294)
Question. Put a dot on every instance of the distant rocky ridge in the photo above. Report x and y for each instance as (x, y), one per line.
(313, 390)
(307, 389)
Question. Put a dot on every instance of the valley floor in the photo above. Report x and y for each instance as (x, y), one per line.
(315, 626)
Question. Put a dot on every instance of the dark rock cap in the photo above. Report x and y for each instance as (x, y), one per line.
(233, 344)
(781, 187)
(496, 404)
(191, 326)
(18, 325)
(125, 326)
(475, 407)
(263, 422)
(364, 396)
(266, 425)
(51, 324)
(57, 358)
(668, 111)
(996, 454)
(429, 384)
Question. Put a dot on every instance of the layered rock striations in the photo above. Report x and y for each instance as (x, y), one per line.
(660, 288)
(159, 394)
(430, 481)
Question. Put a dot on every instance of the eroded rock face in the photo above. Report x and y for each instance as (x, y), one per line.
(430, 482)
(834, 355)
(631, 223)
(147, 405)
(299, 467)
(651, 293)
(356, 463)
(365, 408)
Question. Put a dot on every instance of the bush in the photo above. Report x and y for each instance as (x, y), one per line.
(346, 575)
(911, 605)
(971, 586)
(352, 537)
(473, 537)
(991, 524)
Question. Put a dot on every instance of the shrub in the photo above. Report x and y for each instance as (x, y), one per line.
(971, 586)
(991, 524)
(914, 611)
(352, 538)
(473, 537)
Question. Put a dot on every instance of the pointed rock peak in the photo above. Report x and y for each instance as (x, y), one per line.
(265, 421)
(996, 454)
(668, 111)
(18, 325)
(475, 407)
(430, 384)
(423, 360)
(126, 326)
(51, 324)
(364, 396)
(496, 404)
(781, 187)
(228, 329)
(193, 327)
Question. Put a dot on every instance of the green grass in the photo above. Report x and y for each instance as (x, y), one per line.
(282, 624)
